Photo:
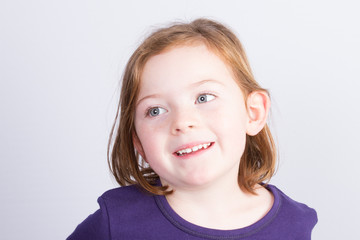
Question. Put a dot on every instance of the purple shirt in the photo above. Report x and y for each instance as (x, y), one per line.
(130, 213)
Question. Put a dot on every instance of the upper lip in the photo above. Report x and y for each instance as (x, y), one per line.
(191, 145)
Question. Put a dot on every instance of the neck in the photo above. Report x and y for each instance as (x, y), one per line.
(208, 197)
(220, 205)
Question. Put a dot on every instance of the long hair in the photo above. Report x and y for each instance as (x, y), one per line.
(257, 163)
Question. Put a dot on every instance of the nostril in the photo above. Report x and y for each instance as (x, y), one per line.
(184, 129)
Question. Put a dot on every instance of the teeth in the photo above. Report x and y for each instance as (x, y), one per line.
(193, 149)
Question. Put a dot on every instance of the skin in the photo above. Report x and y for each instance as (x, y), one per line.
(188, 97)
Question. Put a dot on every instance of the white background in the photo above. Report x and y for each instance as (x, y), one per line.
(60, 65)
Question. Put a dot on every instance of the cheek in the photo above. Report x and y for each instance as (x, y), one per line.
(228, 117)
(230, 126)
(152, 141)
(154, 150)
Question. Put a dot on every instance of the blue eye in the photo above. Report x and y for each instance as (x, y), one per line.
(205, 98)
(155, 111)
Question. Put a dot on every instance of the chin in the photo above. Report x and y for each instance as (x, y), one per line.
(199, 180)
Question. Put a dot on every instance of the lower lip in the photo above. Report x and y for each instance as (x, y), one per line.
(196, 153)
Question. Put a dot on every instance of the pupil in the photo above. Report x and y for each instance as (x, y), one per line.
(155, 111)
(202, 98)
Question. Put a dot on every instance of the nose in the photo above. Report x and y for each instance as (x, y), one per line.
(183, 121)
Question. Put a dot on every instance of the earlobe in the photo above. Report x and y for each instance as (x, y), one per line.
(258, 106)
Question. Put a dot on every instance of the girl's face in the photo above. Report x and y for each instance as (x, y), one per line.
(190, 118)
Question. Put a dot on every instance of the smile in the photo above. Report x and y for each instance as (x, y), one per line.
(193, 149)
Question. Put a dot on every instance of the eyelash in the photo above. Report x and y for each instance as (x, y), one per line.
(206, 93)
(147, 111)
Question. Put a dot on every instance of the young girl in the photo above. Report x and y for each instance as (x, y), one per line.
(192, 147)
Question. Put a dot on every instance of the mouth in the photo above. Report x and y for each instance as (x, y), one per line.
(196, 148)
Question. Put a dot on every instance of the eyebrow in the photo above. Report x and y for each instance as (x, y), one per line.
(149, 96)
(196, 84)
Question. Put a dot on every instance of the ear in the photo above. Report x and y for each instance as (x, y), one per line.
(137, 145)
(258, 106)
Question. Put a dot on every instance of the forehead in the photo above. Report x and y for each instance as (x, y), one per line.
(181, 66)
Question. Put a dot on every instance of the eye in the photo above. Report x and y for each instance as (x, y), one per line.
(155, 111)
(205, 98)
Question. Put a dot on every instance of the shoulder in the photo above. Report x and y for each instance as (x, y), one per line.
(293, 206)
(131, 192)
(116, 206)
(124, 198)
(296, 215)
